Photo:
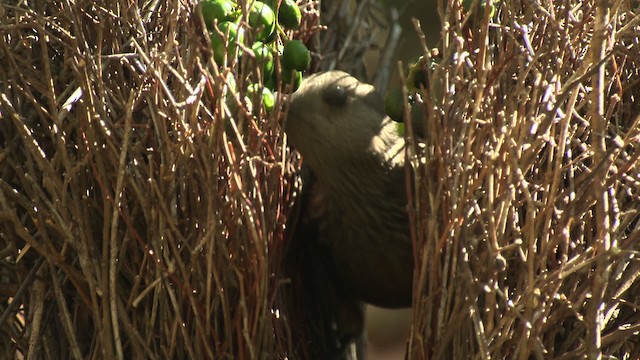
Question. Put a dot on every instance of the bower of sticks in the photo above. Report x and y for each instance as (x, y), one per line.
(142, 217)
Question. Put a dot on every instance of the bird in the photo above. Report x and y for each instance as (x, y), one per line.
(353, 221)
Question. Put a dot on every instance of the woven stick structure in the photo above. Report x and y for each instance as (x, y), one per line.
(143, 203)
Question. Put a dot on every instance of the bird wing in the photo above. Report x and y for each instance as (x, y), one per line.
(324, 322)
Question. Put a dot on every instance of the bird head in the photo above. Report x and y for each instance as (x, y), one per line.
(336, 120)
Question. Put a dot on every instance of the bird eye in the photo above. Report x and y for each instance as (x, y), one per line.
(335, 95)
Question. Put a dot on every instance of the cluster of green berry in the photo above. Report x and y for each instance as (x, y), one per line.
(476, 7)
(261, 33)
(419, 76)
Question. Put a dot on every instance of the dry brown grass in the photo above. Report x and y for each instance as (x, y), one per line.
(140, 217)
(532, 170)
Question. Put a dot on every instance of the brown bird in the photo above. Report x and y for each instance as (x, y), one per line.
(354, 203)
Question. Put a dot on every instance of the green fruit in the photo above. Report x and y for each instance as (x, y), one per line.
(263, 20)
(296, 56)
(229, 89)
(267, 98)
(289, 14)
(418, 77)
(426, 76)
(233, 34)
(467, 5)
(394, 105)
(291, 79)
(264, 57)
(222, 10)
